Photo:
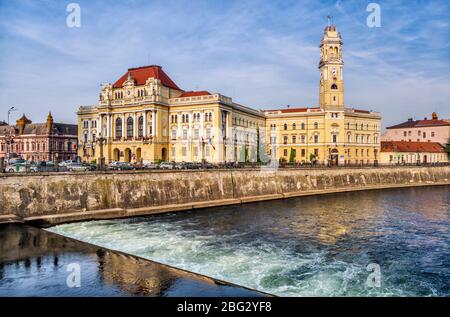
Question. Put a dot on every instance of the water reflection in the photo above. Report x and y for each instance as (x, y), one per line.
(33, 262)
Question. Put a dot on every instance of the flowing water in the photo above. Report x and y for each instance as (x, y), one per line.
(328, 245)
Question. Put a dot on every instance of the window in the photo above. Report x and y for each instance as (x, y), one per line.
(303, 126)
(405, 133)
(349, 138)
(294, 139)
(85, 138)
(285, 126)
(334, 87)
(208, 133)
(85, 124)
(294, 126)
(316, 138)
(172, 153)
(303, 139)
(285, 152)
(424, 135)
(129, 127)
(334, 138)
(195, 151)
(432, 134)
(185, 134)
(316, 153)
(141, 126)
(196, 134)
(118, 128)
(174, 134)
(303, 152)
(183, 151)
(316, 125)
(285, 139)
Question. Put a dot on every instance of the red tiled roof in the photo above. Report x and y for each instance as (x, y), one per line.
(194, 93)
(419, 123)
(404, 146)
(361, 111)
(141, 74)
(290, 110)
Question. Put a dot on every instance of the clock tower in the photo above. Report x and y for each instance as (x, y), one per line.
(331, 70)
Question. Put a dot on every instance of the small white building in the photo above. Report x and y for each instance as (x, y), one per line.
(405, 152)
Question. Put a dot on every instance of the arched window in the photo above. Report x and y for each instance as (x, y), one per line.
(334, 87)
(141, 126)
(118, 128)
(294, 126)
(129, 127)
(316, 138)
(285, 126)
(303, 126)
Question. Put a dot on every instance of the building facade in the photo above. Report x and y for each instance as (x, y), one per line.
(330, 133)
(145, 116)
(409, 152)
(426, 130)
(47, 141)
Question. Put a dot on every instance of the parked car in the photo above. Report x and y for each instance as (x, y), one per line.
(20, 168)
(45, 167)
(120, 166)
(151, 165)
(78, 167)
(167, 165)
(66, 163)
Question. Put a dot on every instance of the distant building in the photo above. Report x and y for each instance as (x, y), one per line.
(48, 141)
(405, 152)
(426, 130)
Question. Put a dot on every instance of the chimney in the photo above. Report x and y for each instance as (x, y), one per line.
(434, 116)
(410, 119)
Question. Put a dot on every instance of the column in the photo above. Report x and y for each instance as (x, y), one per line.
(144, 116)
(134, 125)
(108, 125)
(123, 126)
(154, 123)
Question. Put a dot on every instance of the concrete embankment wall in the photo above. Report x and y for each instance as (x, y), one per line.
(55, 198)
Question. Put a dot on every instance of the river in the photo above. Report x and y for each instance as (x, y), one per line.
(392, 242)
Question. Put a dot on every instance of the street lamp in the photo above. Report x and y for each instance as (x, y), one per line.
(101, 140)
(11, 110)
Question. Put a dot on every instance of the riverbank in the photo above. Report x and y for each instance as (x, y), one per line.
(51, 199)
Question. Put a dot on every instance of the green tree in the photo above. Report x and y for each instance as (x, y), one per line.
(292, 156)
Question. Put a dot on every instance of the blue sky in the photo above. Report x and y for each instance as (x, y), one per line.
(263, 54)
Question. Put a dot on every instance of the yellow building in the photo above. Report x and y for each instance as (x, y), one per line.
(330, 133)
(145, 116)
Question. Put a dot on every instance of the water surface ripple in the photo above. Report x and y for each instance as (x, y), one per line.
(310, 246)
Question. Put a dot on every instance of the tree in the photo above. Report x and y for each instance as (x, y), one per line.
(292, 156)
(447, 148)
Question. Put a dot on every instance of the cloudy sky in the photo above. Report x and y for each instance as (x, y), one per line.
(263, 54)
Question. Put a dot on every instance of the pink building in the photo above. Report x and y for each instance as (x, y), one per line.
(426, 130)
(47, 141)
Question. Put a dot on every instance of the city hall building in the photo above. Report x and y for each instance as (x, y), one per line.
(145, 116)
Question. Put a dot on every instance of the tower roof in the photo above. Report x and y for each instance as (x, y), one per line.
(141, 74)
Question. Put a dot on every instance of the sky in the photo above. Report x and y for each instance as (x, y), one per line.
(263, 54)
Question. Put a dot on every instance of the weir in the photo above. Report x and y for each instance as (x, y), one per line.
(48, 199)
